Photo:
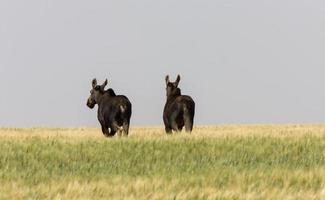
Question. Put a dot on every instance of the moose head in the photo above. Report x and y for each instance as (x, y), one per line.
(96, 93)
(172, 87)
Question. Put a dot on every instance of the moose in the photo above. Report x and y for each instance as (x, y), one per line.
(179, 109)
(114, 111)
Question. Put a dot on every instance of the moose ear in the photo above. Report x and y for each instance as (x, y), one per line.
(102, 87)
(177, 80)
(94, 83)
(167, 79)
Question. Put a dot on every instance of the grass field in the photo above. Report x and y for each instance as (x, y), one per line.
(217, 162)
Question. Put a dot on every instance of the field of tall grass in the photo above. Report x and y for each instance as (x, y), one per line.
(214, 162)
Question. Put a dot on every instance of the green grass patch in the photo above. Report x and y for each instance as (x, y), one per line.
(174, 167)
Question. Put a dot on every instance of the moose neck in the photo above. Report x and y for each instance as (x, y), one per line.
(106, 95)
(100, 99)
(174, 94)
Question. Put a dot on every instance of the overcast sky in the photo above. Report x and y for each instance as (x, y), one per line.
(253, 61)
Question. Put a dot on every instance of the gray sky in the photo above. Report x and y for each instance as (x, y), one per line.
(253, 61)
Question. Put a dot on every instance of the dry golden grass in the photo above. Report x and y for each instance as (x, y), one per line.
(221, 131)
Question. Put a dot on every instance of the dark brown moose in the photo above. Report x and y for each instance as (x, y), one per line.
(179, 109)
(114, 111)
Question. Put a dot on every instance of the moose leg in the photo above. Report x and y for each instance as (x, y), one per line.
(168, 130)
(105, 130)
(112, 133)
(126, 128)
(175, 126)
(188, 123)
(117, 128)
(180, 127)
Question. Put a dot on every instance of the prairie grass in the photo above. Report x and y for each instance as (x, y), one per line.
(214, 162)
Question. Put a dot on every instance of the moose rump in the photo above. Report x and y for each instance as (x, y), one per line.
(114, 111)
(115, 115)
(179, 109)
